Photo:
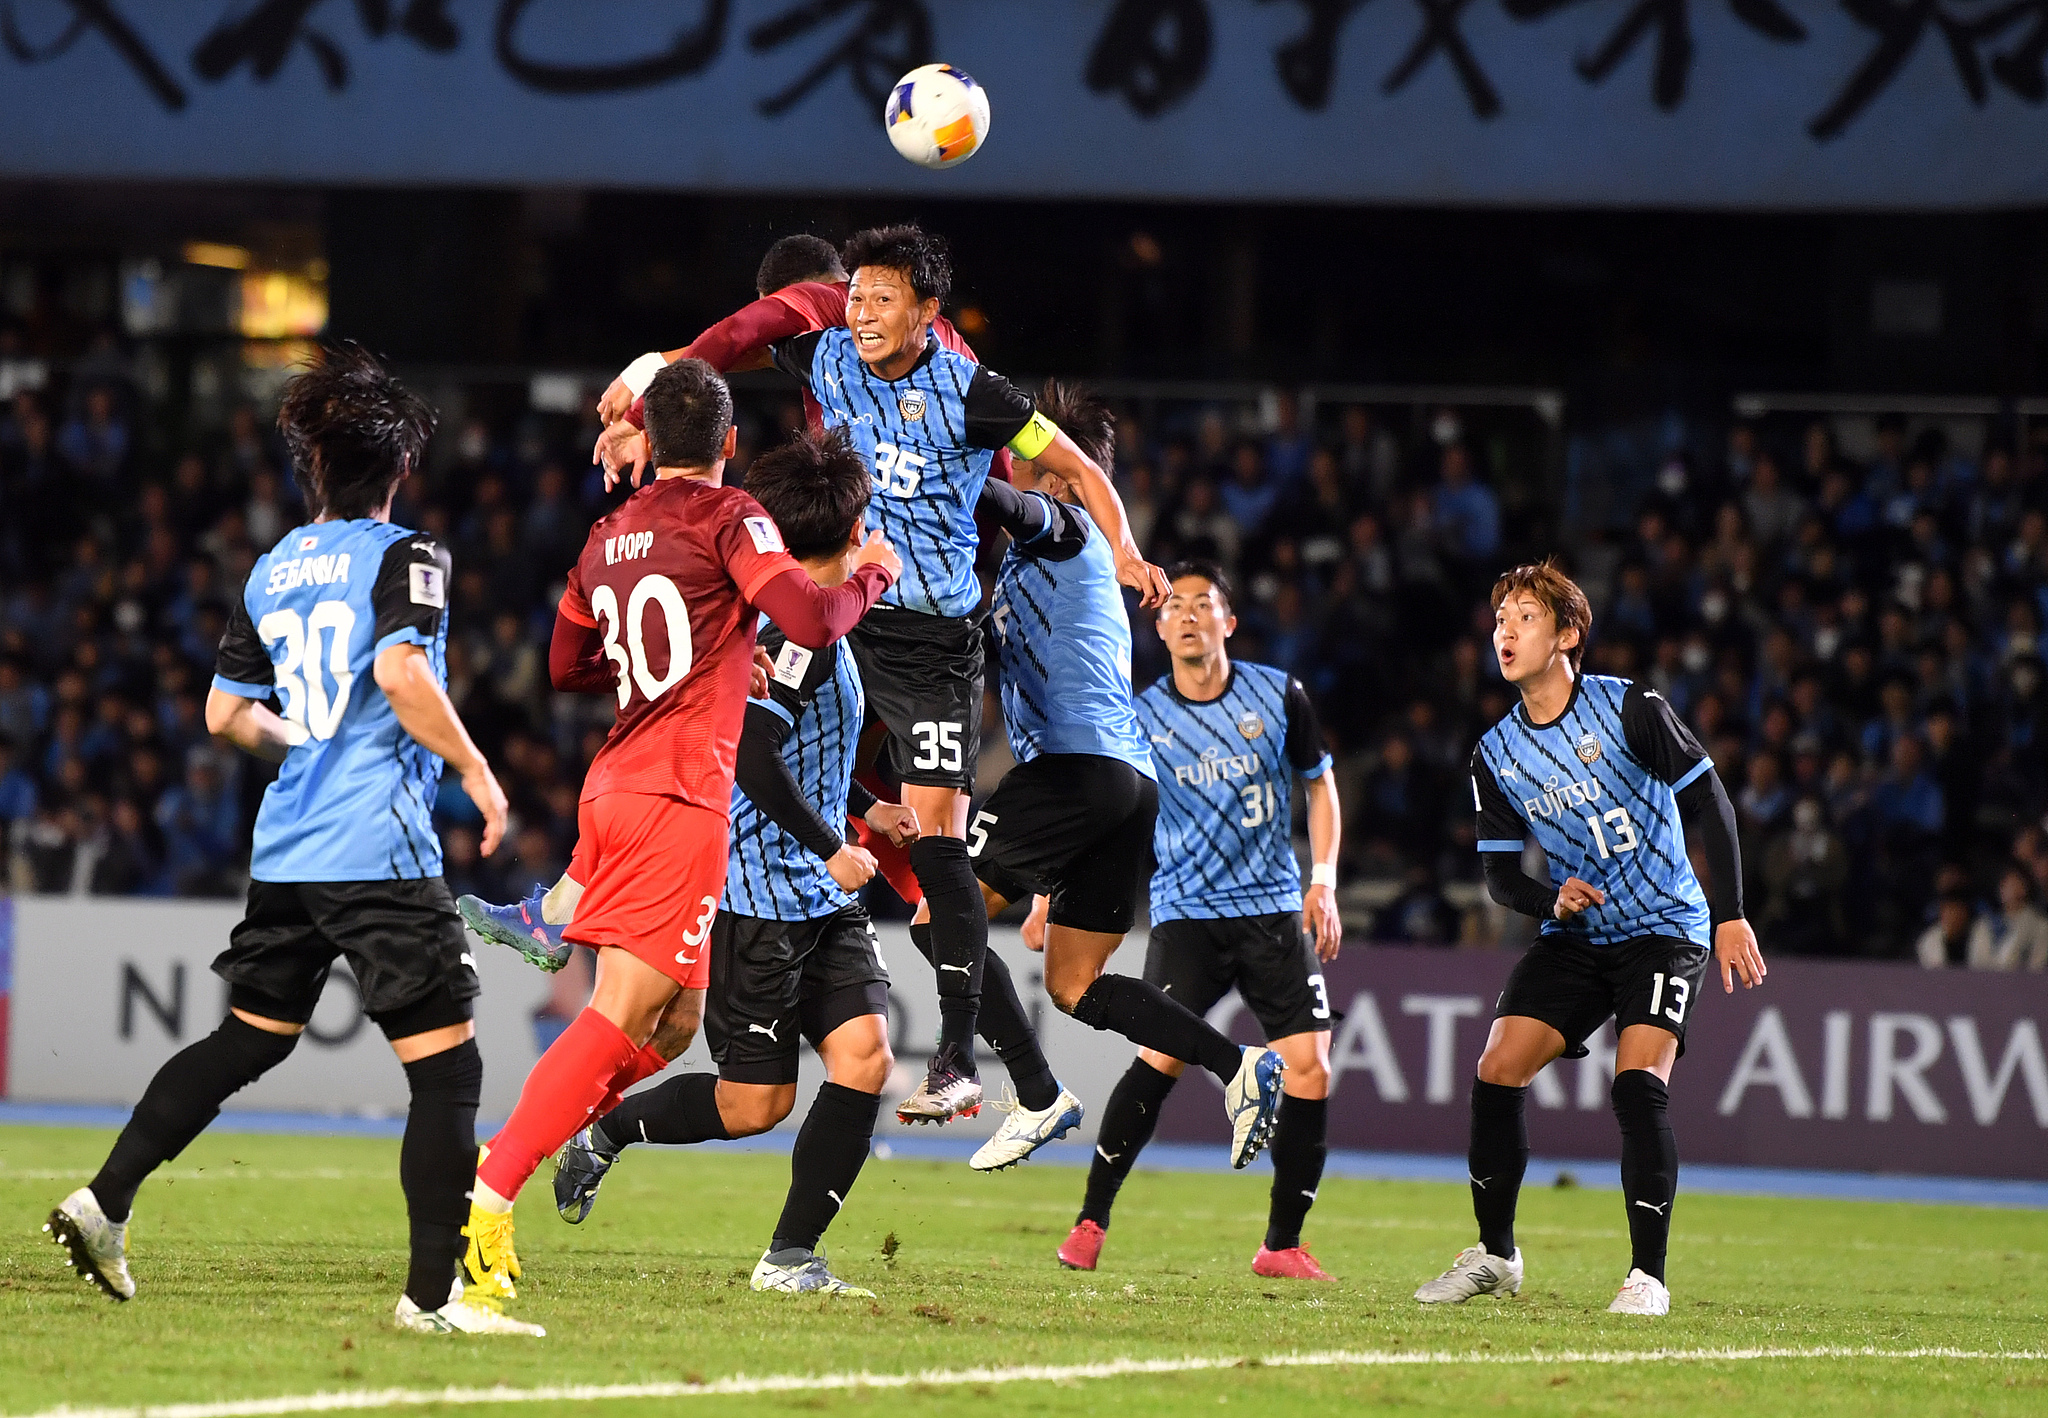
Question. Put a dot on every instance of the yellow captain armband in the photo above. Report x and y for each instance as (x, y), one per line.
(1035, 437)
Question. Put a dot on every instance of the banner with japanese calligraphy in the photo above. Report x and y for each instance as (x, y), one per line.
(1744, 103)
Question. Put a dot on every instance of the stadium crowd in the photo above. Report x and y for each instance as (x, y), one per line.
(1858, 642)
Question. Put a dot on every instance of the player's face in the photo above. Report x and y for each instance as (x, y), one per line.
(1196, 620)
(1526, 639)
(1026, 475)
(887, 319)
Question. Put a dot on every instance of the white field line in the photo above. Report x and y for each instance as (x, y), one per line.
(1034, 1373)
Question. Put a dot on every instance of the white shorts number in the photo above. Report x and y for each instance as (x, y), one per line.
(308, 707)
(1681, 991)
(631, 658)
(938, 745)
(977, 832)
(1322, 1007)
(695, 935)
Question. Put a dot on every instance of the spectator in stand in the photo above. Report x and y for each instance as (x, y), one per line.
(18, 792)
(2015, 936)
(1465, 510)
(201, 823)
(1804, 873)
(1951, 942)
(95, 441)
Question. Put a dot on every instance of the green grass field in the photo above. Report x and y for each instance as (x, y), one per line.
(268, 1267)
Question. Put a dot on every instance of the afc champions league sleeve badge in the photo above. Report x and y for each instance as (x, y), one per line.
(1588, 748)
(1250, 724)
(910, 403)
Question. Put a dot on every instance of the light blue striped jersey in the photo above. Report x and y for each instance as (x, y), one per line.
(1064, 645)
(1597, 788)
(770, 875)
(1225, 836)
(928, 439)
(354, 799)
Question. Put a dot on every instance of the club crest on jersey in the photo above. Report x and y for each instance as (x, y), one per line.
(1588, 748)
(1250, 724)
(911, 404)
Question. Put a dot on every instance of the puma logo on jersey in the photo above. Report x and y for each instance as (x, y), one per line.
(629, 547)
(961, 968)
(768, 1029)
(836, 1199)
(1165, 738)
(1652, 1206)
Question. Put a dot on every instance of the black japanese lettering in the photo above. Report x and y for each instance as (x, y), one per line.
(892, 38)
(690, 53)
(1308, 62)
(1440, 32)
(100, 16)
(1901, 24)
(264, 38)
(1153, 52)
(1673, 24)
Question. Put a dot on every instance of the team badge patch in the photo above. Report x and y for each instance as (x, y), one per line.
(790, 663)
(1588, 748)
(1250, 724)
(426, 587)
(767, 536)
(911, 404)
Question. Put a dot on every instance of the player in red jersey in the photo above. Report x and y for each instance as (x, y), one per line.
(660, 609)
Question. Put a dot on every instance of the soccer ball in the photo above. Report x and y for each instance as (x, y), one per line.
(937, 116)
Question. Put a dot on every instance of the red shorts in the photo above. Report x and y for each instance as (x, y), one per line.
(653, 873)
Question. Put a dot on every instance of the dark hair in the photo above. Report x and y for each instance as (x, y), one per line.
(353, 431)
(815, 487)
(1209, 571)
(689, 410)
(801, 257)
(1084, 418)
(1560, 595)
(922, 258)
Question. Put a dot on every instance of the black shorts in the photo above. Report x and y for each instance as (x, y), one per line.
(922, 674)
(773, 981)
(1575, 986)
(1073, 826)
(1268, 958)
(402, 939)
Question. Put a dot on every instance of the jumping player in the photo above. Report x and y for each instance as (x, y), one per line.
(1228, 907)
(793, 953)
(1616, 790)
(927, 422)
(660, 609)
(1073, 820)
(345, 622)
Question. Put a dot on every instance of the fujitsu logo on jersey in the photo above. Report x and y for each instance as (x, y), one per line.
(1555, 799)
(320, 570)
(1216, 766)
(629, 547)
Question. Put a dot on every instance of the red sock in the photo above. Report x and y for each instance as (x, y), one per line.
(645, 1064)
(560, 1096)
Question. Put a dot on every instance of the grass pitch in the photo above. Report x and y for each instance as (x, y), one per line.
(268, 1267)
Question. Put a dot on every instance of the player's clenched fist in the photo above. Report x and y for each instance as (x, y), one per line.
(894, 821)
(852, 867)
(1575, 896)
(876, 551)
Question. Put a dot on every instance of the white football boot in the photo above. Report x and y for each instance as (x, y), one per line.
(95, 1247)
(1024, 1131)
(1641, 1295)
(801, 1272)
(1474, 1272)
(461, 1316)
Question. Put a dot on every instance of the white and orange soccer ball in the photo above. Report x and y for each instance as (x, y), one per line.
(937, 116)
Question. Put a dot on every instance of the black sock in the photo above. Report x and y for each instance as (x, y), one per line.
(1152, 1019)
(1127, 1124)
(1649, 1165)
(1008, 1031)
(682, 1109)
(1005, 1027)
(959, 937)
(437, 1165)
(180, 1101)
(831, 1148)
(1300, 1142)
(1498, 1156)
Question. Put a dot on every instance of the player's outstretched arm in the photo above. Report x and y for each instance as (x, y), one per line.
(1319, 902)
(740, 341)
(814, 616)
(1064, 459)
(423, 708)
(250, 725)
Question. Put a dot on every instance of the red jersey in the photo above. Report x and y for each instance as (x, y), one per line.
(666, 578)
